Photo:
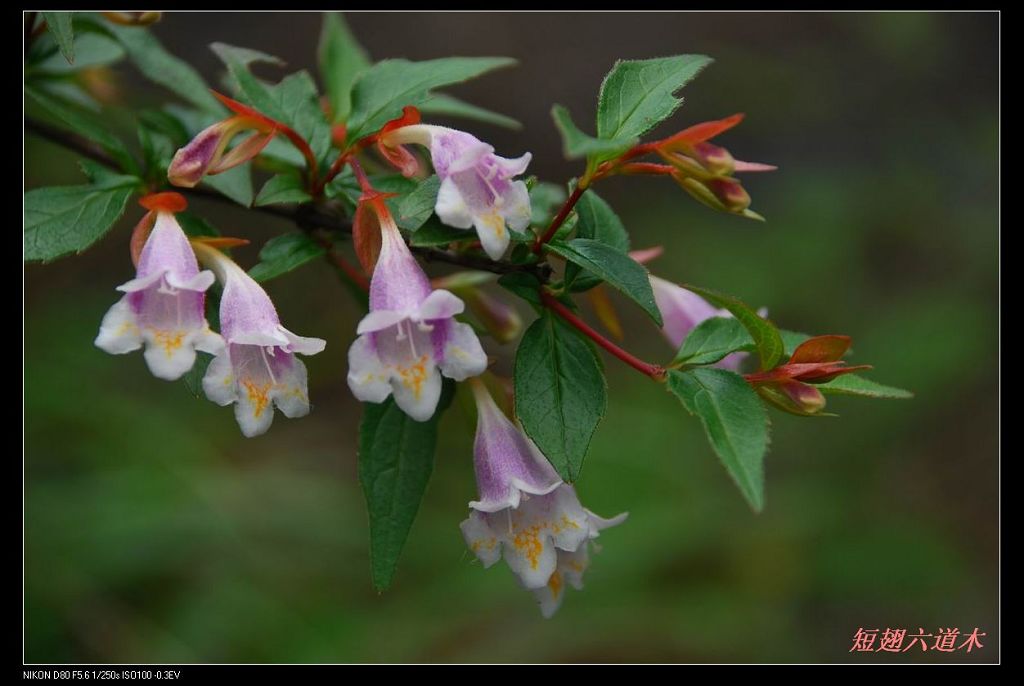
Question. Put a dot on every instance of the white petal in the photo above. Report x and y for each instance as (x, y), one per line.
(480, 539)
(254, 410)
(532, 558)
(494, 237)
(367, 377)
(551, 595)
(516, 206)
(302, 344)
(379, 320)
(169, 354)
(219, 381)
(291, 394)
(451, 209)
(418, 390)
(440, 304)
(209, 341)
(119, 333)
(463, 355)
(200, 282)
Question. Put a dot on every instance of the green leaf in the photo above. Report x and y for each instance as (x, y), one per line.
(637, 95)
(195, 226)
(415, 208)
(712, 340)
(396, 457)
(65, 219)
(294, 101)
(596, 220)
(734, 420)
(282, 188)
(575, 143)
(384, 89)
(522, 284)
(341, 60)
(619, 270)
(560, 392)
(235, 184)
(59, 26)
(284, 253)
(434, 234)
(92, 49)
(444, 105)
(163, 68)
(84, 123)
(851, 384)
(766, 337)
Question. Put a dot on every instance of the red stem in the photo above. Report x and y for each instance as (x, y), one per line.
(654, 371)
(559, 219)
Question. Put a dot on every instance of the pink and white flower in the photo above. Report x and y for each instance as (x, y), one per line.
(477, 186)
(257, 368)
(410, 337)
(163, 306)
(526, 514)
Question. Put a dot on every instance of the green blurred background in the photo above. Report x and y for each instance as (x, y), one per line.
(155, 532)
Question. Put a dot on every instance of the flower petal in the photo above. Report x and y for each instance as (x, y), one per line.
(515, 207)
(219, 381)
(451, 208)
(119, 334)
(494, 237)
(169, 354)
(379, 320)
(290, 394)
(480, 539)
(440, 304)
(367, 377)
(417, 389)
(303, 345)
(463, 355)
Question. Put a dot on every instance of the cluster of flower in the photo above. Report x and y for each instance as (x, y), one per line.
(409, 339)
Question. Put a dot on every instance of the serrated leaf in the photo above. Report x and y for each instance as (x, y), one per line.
(575, 143)
(163, 68)
(384, 89)
(84, 123)
(65, 219)
(59, 26)
(444, 105)
(341, 60)
(639, 94)
(284, 253)
(396, 458)
(851, 384)
(766, 337)
(617, 269)
(734, 420)
(282, 188)
(596, 220)
(560, 392)
(712, 340)
(415, 208)
(235, 184)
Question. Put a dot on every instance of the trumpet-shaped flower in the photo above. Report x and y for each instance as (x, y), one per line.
(163, 306)
(410, 336)
(477, 186)
(526, 514)
(257, 369)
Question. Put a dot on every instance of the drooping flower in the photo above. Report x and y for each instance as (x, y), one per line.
(208, 153)
(257, 369)
(410, 336)
(526, 514)
(163, 306)
(477, 186)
